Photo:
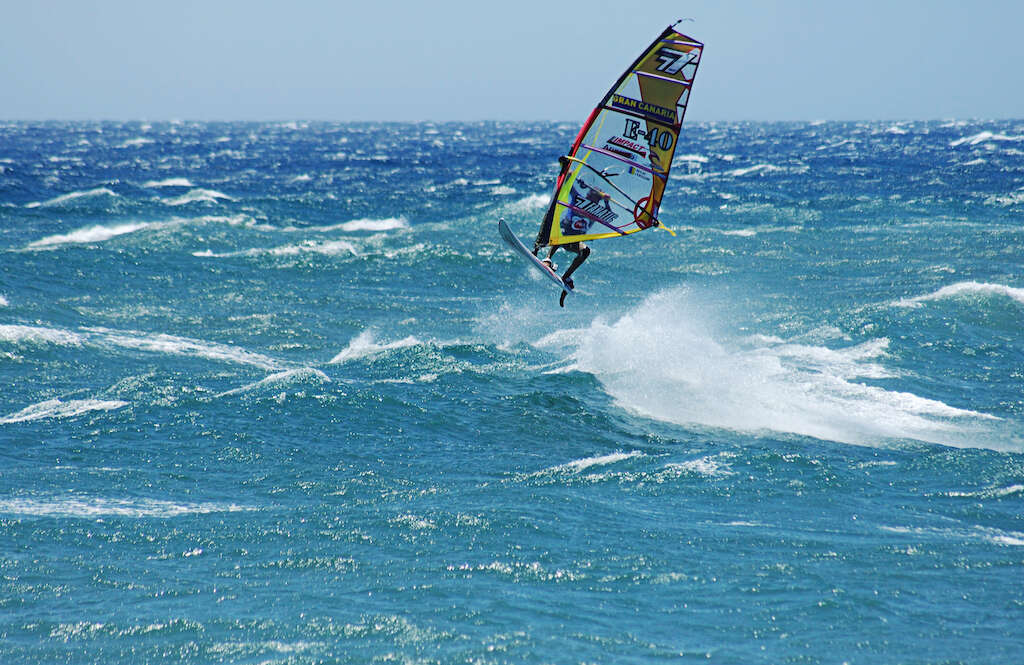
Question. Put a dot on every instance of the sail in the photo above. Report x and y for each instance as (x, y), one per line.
(614, 177)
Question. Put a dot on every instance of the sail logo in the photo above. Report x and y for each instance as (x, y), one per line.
(645, 109)
(628, 145)
(673, 61)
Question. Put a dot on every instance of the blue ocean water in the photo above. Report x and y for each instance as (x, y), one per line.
(277, 393)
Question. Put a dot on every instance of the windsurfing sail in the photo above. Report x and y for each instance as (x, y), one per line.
(614, 177)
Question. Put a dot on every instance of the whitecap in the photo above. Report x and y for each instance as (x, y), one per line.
(99, 507)
(1006, 200)
(169, 182)
(281, 380)
(986, 534)
(179, 346)
(197, 196)
(982, 137)
(136, 143)
(71, 196)
(710, 466)
(389, 224)
(39, 334)
(365, 344)
(964, 289)
(89, 235)
(758, 168)
(581, 465)
(529, 203)
(55, 408)
(990, 493)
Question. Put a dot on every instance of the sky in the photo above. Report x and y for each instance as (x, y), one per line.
(355, 60)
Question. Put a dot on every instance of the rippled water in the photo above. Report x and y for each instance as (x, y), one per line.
(278, 393)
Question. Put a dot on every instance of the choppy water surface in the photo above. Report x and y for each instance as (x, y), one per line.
(278, 394)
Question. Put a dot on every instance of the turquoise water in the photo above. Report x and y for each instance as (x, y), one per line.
(277, 393)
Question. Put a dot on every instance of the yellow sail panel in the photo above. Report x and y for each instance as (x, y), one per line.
(613, 181)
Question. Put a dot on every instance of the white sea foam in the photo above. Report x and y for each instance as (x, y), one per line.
(71, 196)
(99, 507)
(983, 137)
(197, 196)
(89, 235)
(283, 380)
(677, 371)
(973, 290)
(366, 344)
(169, 182)
(3, 301)
(55, 408)
(39, 335)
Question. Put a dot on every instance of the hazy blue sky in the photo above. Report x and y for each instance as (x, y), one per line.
(523, 59)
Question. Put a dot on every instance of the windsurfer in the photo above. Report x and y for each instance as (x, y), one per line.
(580, 249)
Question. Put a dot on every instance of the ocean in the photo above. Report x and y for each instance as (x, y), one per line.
(278, 393)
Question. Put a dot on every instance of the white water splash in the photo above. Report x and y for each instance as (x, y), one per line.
(660, 361)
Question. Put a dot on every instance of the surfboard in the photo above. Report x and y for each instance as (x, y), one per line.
(516, 244)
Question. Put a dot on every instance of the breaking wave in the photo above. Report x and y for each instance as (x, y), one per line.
(966, 290)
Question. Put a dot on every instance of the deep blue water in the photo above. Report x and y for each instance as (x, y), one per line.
(277, 393)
